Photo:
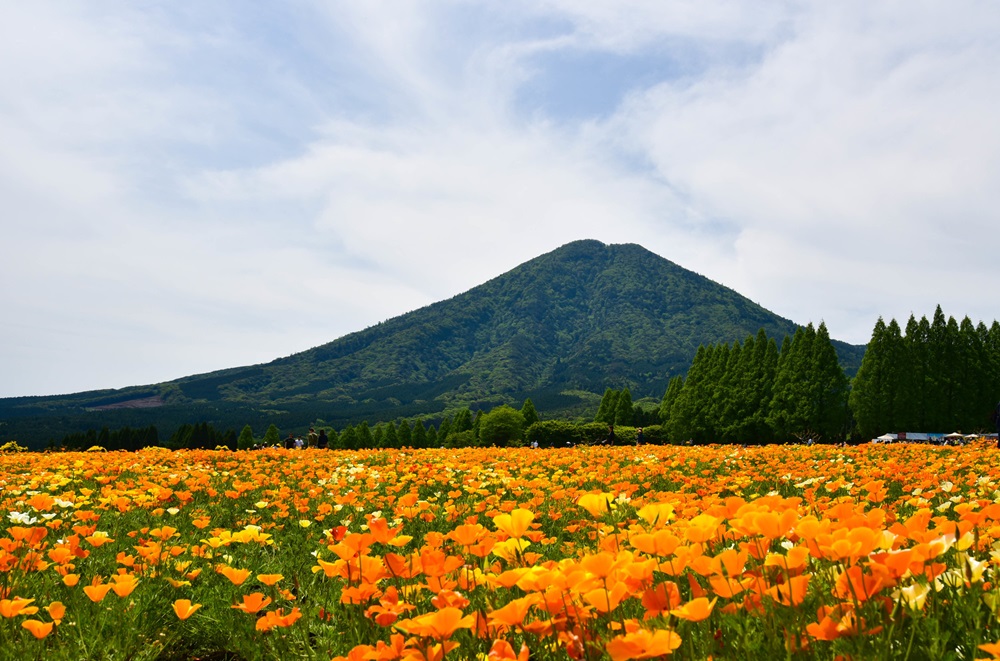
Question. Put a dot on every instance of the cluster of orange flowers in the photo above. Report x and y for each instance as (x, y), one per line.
(632, 553)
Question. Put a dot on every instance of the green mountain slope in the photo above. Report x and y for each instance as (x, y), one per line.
(580, 318)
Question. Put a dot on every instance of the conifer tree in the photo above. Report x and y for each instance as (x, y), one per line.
(529, 413)
(828, 388)
(911, 378)
(349, 438)
(476, 423)
(432, 437)
(869, 384)
(419, 434)
(444, 429)
(245, 441)
(734, 427)
(365, 440)
(788, 413)
(405, 434)
(606, 411)
(378, 435)
(674, 387)
(623, 408)
(723, 413)
(689, 412)
(390, 439)
(462, 421)
(272, 438)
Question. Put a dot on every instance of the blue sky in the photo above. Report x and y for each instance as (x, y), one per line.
(189, 187)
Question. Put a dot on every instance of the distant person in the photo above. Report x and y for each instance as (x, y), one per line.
(312, 438)
(323, 442)
(290, 441)
(610, 440)
(639, 438)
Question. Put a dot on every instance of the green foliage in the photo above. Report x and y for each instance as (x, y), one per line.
(749, 393)
(271, 437)
(940, 376)
(405, 434)
(669, 397)
(245, 441)
(554, 433)
(623, 408)
(606, 411)
(462, 421)
(529, 413)
(460, 439)
(503, 426)
(419, 435)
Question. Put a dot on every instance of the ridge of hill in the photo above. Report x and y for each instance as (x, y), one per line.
(576, 320)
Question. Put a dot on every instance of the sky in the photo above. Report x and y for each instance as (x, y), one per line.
(186, 187)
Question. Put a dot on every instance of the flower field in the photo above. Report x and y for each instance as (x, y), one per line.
(723, 552)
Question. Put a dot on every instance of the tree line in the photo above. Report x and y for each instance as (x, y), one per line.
(939, 375)
(754, 392)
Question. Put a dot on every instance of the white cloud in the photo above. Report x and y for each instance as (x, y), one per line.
(191, 188)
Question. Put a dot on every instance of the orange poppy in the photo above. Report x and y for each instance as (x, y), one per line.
(269, 579)
(97, 591)
(514, 524)
(56, 610)
(501, 650)
(38, 628)
(17, 606)
(253, 602)
(184, 608)
(236, 576)
(514, 612)
(439, 625)
(643, 644)
(695, 610)
(598, 504)
(791, 593)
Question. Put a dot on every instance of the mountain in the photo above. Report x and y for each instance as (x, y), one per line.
(581, 318)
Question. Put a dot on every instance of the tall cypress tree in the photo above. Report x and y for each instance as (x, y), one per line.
(866, 398)
(828, 387)
(462, 421)
(444, 429)
(529, 413)
(623, 408)
(349, 438)
(606, 411)
(790, 410)
(737, 419)
(390, 439)
(689, 414)
(913, 381)
(365, 440)
(245, 441)
(724, 413)
(405, 434)
(669, 396)
(419, 434)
